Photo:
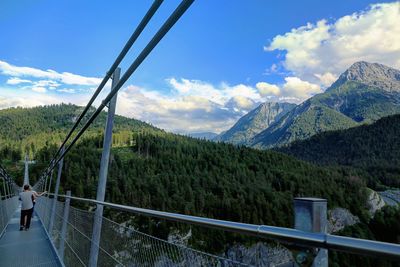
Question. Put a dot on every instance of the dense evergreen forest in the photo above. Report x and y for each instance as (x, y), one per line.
(158, 170)
(373, 148)
(27, 130)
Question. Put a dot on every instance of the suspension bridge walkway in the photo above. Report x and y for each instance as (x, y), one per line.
(26, 248)
(65, 235)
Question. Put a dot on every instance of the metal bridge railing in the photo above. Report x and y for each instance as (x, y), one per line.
(7, 208)
(119, 245)
(124, 246)
(288, 235)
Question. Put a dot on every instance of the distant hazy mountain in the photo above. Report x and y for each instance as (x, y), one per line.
(362, 94)
(203, 135)
(254, 122)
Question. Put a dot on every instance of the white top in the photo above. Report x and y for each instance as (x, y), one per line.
(26, 198)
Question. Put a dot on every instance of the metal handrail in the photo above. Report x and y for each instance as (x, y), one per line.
(289, 235)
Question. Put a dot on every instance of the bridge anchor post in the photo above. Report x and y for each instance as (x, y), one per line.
(64, 226)
(311, 216)
(53, 208)
(101, 187)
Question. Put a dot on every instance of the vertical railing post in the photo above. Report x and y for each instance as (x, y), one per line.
(11, 191)
(64, 226)
(5, 197)
(2, 213)
(9, 188)
(53, 209)
(48, 204)
(101, 187)
(311, 216)
(26, 175)
(5, 188)
(45, 184)
(51, 180)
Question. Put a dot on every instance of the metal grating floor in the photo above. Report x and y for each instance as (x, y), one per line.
(26, 248)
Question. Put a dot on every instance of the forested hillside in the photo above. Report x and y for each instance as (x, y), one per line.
(374, 148)
(29, 129)
(179, 174)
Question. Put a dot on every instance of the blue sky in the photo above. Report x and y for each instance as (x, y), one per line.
(221, 59)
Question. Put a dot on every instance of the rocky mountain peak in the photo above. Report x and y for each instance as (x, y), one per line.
(372, 74)
(255, 121)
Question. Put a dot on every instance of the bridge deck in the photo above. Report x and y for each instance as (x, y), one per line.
(26, 248)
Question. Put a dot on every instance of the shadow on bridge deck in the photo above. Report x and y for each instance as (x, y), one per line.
(26, 248)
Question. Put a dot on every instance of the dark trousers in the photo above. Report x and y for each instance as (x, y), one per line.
(28, 220)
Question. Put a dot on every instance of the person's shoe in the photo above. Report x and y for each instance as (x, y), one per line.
(21, 228)
(27, 228)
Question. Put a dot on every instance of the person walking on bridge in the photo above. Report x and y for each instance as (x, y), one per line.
(27, 197)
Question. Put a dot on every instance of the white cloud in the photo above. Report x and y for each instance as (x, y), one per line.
(47, 83)
(10, 97)
(268, 89)
(241, 102)
(186, 114)
(218, 94)
(320, 52)
(191, 106)
(67, 90)
(26, 99)
(326, 79)
(293, 90)
(15, 80)
(64, 77)
(39, 89)
(295, 87)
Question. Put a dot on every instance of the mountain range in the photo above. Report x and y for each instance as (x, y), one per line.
(255, 122)
(362, 94)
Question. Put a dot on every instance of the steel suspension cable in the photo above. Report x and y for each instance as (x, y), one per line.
(156, 4)
(173, 18)
(8, 181)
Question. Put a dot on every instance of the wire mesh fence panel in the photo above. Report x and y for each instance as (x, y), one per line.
(79, 232)
(58, 220)
(82, 221)
(3, 214)
(121, 245)
(43, 209)
(47, 206)
(129, 247)
(7, 209)
(71, 258)
(40, 208)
